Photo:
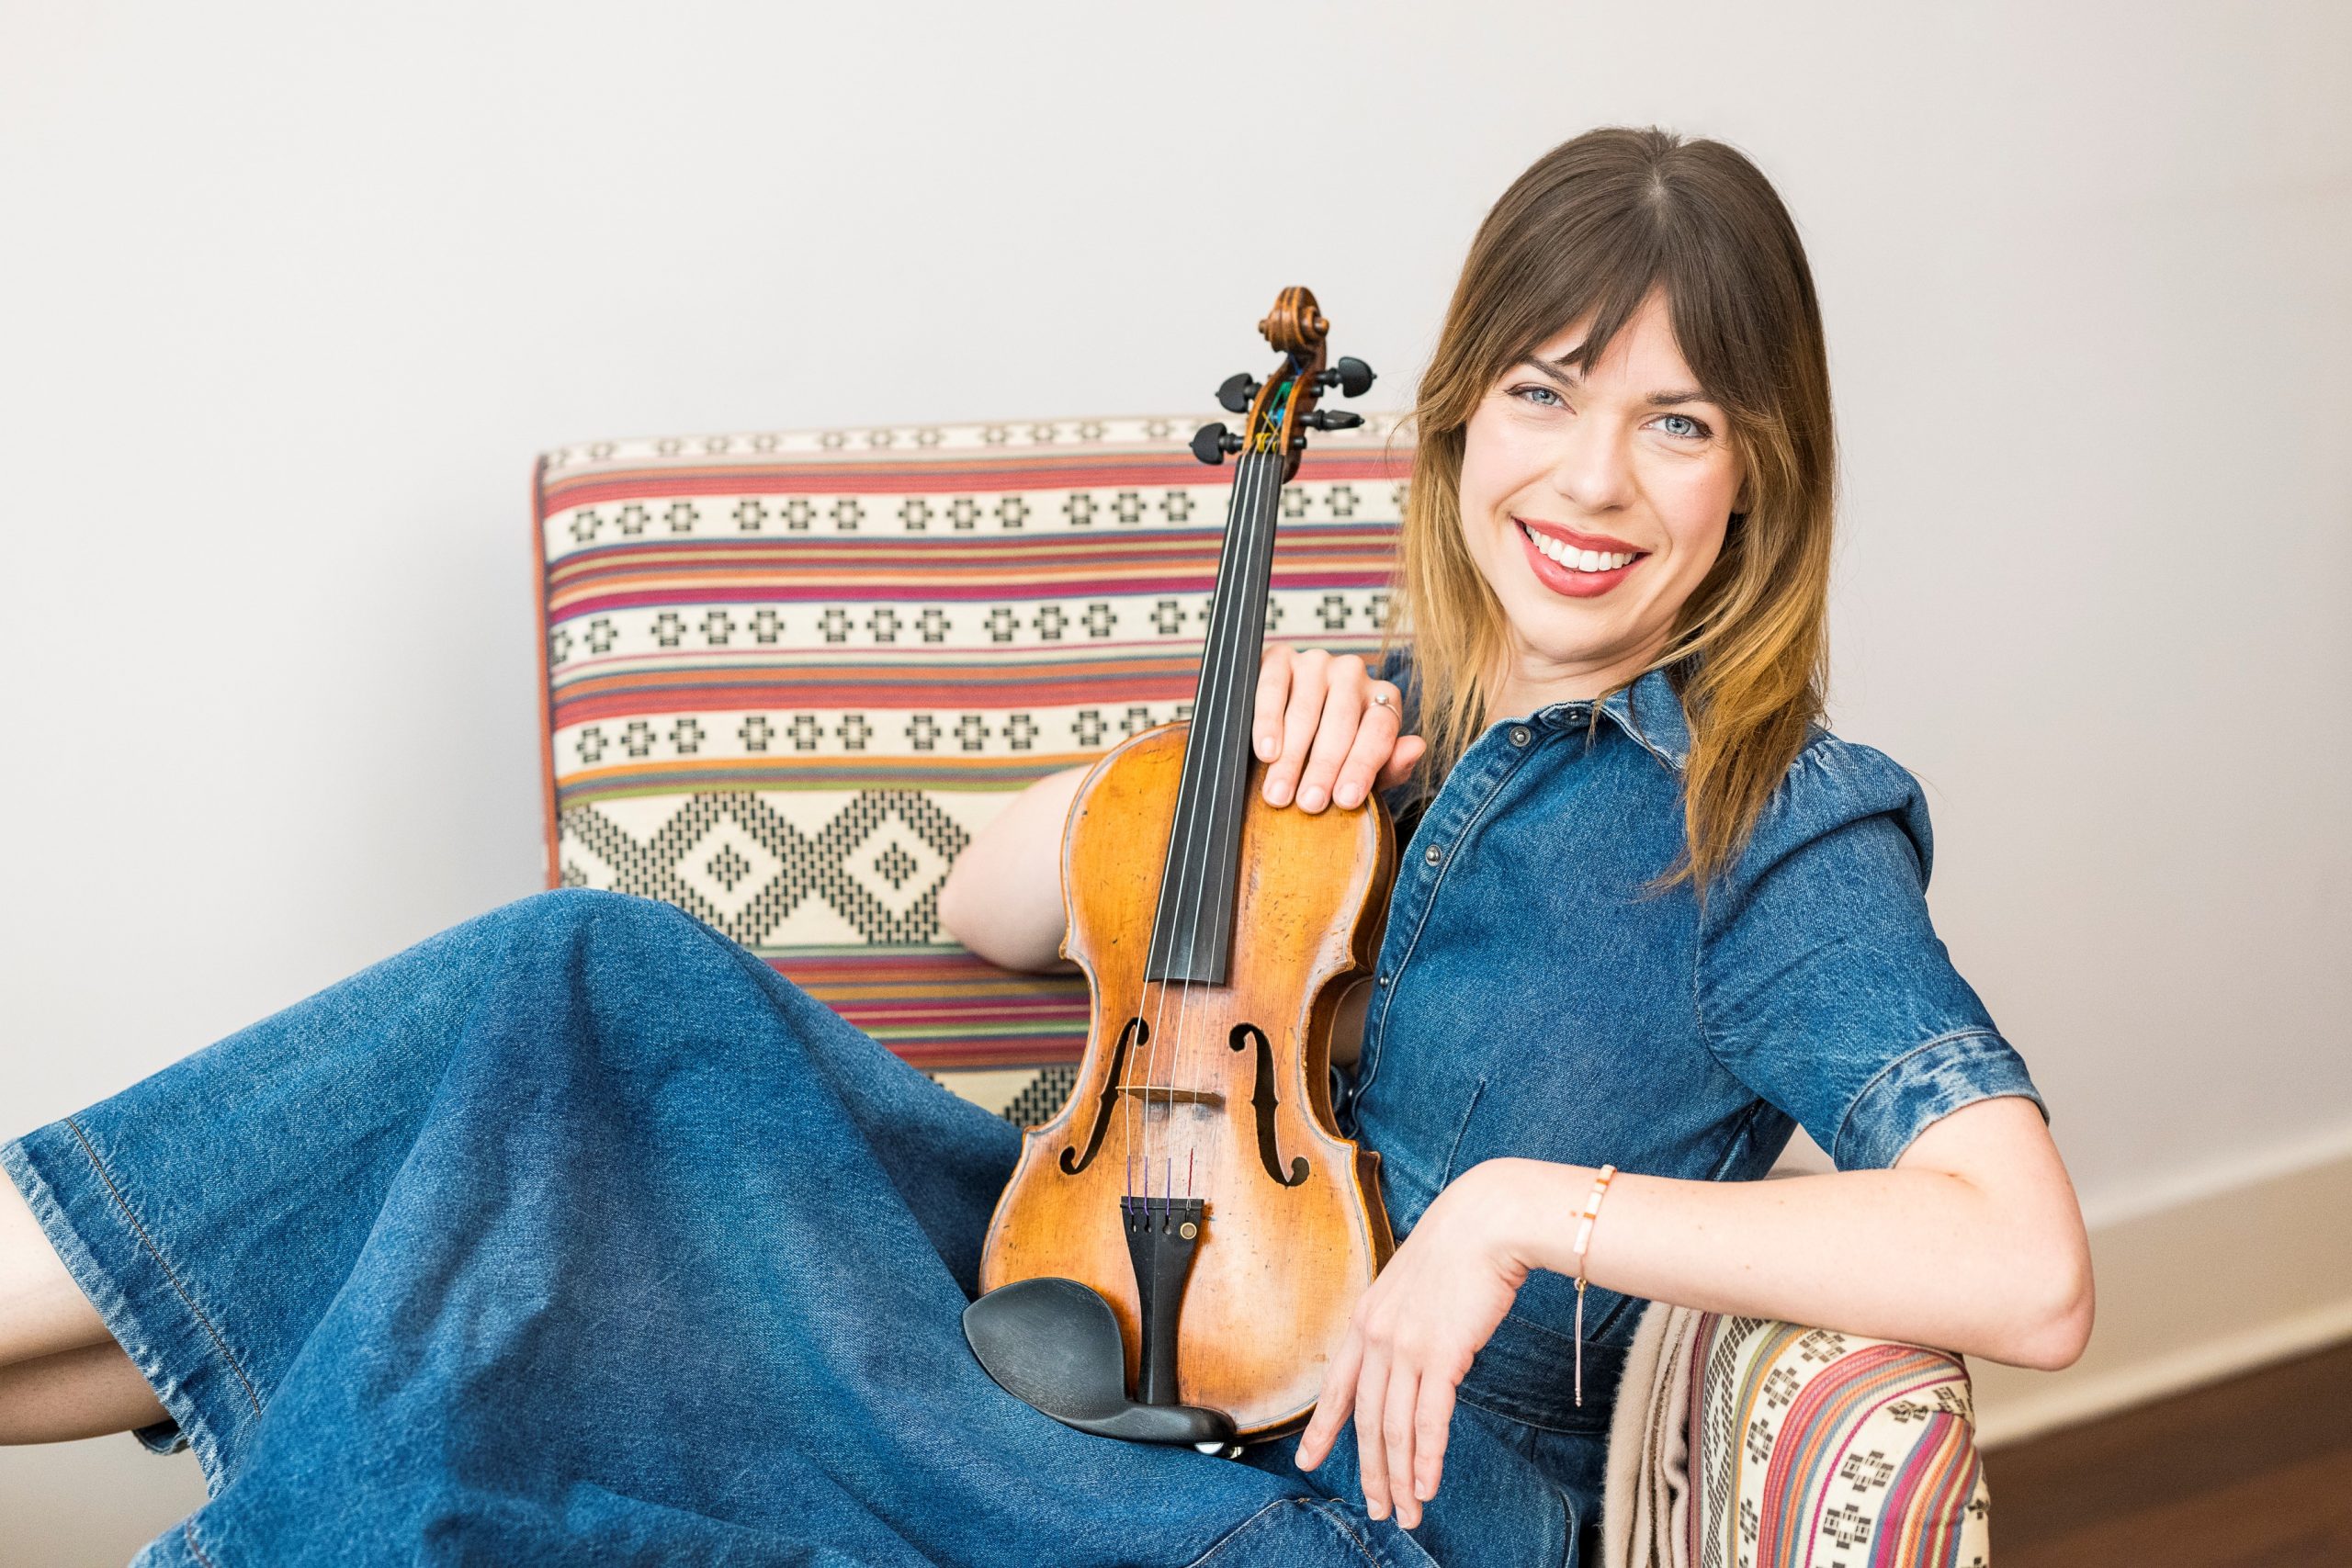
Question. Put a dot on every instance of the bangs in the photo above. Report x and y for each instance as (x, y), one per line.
(1595, 246)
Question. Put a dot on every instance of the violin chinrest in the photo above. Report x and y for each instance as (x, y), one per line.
(1053, 1345)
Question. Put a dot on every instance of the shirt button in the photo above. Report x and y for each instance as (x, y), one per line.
(1433, 854)
(1382, 981)
(1519, 734)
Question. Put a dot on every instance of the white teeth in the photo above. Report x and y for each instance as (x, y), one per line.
(1573, 558)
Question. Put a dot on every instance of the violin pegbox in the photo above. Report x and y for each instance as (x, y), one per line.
(1282, 408)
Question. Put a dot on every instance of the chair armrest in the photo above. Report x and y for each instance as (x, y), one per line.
(1810, 1445)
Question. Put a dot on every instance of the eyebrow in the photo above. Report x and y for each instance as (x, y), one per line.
(1567, 376)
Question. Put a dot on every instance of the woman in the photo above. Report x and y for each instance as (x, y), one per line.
(575, 1234)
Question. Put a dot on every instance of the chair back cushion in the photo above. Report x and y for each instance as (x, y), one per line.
(789, 675)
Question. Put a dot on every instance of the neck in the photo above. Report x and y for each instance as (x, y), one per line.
(1529, 681)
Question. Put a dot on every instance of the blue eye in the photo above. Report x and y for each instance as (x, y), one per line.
(1544, 390)
(1696, 431)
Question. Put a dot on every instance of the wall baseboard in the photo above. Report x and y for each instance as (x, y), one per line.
(2191, 1292)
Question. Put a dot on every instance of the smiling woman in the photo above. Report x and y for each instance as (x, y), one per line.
(1547, 446)
(401, 1260)
(1633, 363)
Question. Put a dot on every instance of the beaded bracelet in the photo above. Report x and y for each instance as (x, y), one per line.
(1584, 1237)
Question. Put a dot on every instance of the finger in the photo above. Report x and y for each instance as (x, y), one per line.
(1399, 766)
(1433, 1425)
(1372, 1453)
(1273, 690)
(1301, 715)
(1404, 1393)
(1335, 732)
(1332, 1405)
(1375, 739)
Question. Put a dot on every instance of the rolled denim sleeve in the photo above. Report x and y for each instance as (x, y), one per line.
(1821, 984)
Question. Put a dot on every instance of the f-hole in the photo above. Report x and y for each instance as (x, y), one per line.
(1263, 1097)
(1136, 1032)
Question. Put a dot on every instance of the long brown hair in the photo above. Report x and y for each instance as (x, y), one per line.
(1594, 226)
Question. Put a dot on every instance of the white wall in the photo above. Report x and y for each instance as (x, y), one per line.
(290, 294)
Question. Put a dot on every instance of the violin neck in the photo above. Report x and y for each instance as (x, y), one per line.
(1192, 934)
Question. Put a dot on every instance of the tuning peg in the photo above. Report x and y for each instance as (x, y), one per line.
(1233, 396)
(1333, 419)
(1212, 442)
(1351, 375)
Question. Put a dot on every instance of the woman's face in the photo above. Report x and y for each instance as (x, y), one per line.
(1594, 505)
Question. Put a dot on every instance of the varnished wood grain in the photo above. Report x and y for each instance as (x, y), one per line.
(1277, 1268)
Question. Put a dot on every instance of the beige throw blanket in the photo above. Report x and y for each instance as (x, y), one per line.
(1645, 1495)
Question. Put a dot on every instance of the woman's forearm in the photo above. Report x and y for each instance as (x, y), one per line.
(1989, 1268)
(1002, 898)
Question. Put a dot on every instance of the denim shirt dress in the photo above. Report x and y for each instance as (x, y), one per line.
(1531, 1001)
(576, 1234)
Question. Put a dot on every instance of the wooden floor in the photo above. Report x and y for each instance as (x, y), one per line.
(2256, 1472)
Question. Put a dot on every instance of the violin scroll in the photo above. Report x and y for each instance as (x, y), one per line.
(1282, 407)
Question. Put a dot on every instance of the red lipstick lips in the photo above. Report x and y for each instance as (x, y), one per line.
(1567, 580)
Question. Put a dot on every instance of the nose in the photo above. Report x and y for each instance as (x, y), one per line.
(1593, 467)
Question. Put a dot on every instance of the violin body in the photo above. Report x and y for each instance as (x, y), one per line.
(1178, 1250)
(1212, 1091)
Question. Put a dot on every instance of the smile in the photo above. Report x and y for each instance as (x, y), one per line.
(1579, 573)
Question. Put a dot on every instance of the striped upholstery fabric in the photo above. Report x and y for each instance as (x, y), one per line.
(790, 674)
(1816, 1449)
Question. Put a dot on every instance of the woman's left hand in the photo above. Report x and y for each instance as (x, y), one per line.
(1411, 1342)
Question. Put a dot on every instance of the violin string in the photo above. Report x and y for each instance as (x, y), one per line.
(1232, 613)
(1216, 674)
(1136, 1070)
(1176, 875)
(1188, 873)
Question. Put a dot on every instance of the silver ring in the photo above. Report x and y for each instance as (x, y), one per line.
(1384, 700)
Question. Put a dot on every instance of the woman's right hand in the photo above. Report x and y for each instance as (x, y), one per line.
(1322, 736)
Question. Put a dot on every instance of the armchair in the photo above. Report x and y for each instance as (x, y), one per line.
(788, 675)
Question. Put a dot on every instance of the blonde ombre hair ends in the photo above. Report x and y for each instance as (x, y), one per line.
(1591, 228)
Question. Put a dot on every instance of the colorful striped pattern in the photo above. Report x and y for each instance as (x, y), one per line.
(1818, 1450)
(789, 674)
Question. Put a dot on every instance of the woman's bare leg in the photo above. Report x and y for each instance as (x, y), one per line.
(86, 1392)
(62, 1375)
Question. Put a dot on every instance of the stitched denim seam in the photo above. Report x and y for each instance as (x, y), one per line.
(1475, 1403)
(1462, 1128)
(115, 1192)
(1594, 1338)
(1740, 1129)
(187, 1534)
(1218, 1546)
(1972, 1032)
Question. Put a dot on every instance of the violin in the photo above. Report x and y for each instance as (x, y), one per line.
(1176, 1253)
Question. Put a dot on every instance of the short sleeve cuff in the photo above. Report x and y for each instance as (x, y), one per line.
(1924, 1086)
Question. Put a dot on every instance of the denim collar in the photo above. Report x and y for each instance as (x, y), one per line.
(1647, 710)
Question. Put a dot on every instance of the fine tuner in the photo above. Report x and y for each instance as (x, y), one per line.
(1351, 377)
